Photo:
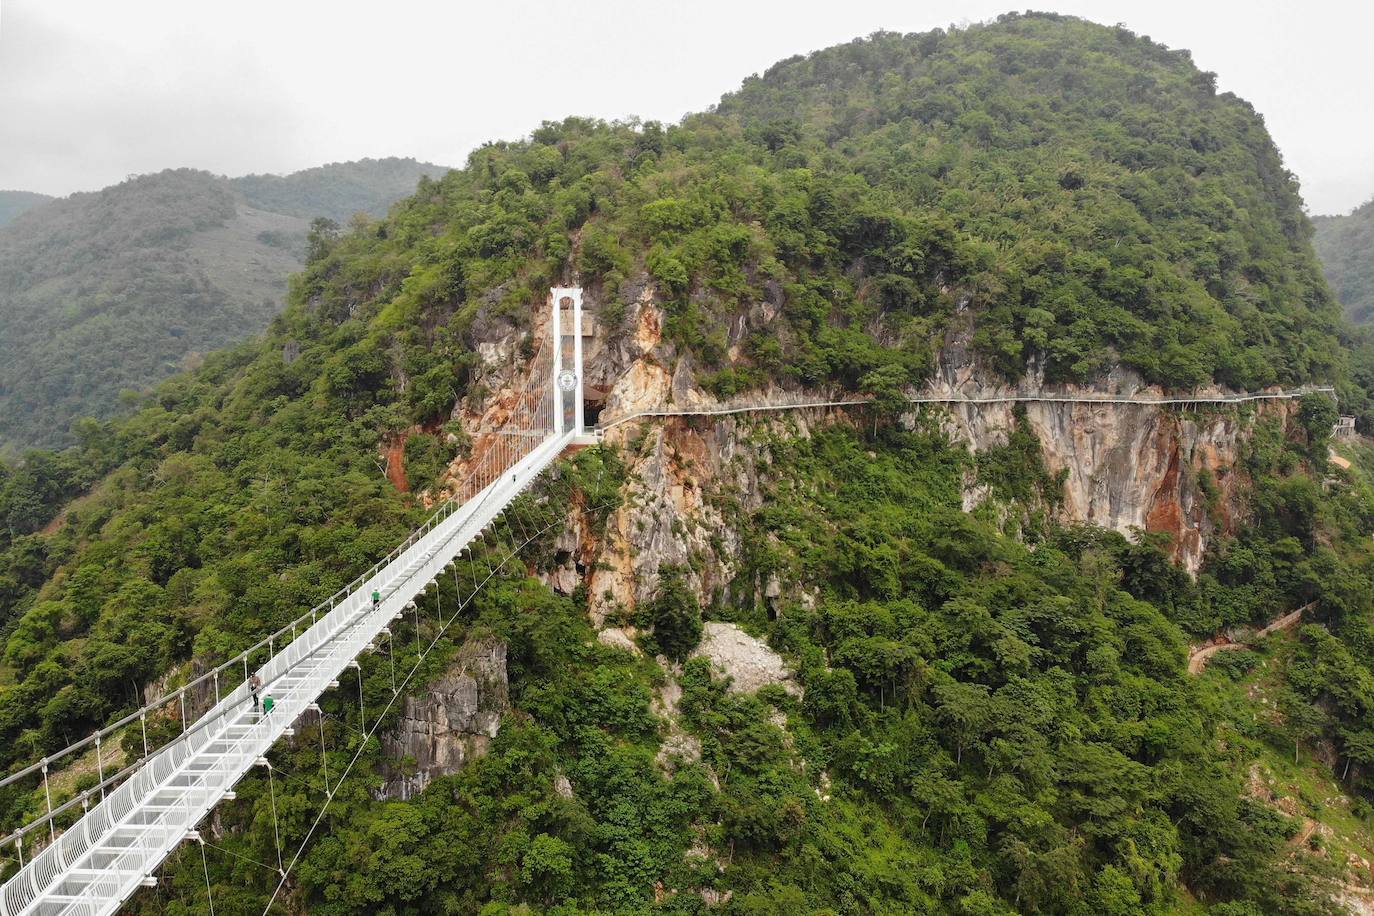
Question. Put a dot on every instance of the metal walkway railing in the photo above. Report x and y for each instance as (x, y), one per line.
(95, 865)
(142, 812)
(955, 398)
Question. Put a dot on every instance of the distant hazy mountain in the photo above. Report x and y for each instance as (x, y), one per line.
(1050, 197)
(1345, 245)
(13, 203)
(120, 288)
(337, 190)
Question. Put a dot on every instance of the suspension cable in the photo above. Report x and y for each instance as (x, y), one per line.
(209, 896)
(229, 852)
(377, 724)
(276, 831)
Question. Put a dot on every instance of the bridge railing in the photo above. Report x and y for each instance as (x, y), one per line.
(531, 413)
(798, 401)
(329, 639)
(50, 865)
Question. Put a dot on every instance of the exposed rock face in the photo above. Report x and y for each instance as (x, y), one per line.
(617, 638)
(676, 468)
(453, 723)
(1135, 466)
(748, 662)
(679, 746)
(566, 572)
(667, 518)
(1127, 465)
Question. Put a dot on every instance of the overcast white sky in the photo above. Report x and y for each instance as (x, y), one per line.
(94, 90)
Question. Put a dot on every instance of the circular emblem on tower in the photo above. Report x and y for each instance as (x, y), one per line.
(567, 380)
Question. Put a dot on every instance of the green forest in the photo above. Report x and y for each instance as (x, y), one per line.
(1345, 245)
(996, 715)
(338, 190)
(13, 203)
(104, 294)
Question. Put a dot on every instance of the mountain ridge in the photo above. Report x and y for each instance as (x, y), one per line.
(116, 289)
(1345, 245)
(994, 714)
(15, 203)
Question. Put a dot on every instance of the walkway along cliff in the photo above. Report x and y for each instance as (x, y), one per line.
(1128, 457)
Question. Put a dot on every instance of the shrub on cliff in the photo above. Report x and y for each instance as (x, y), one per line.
(674, 615)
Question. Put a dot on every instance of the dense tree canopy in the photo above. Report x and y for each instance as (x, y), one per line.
(1117, 208)
(13, 203)
(121, 288)
(1345, 245)
(995, 715)
(338, 190)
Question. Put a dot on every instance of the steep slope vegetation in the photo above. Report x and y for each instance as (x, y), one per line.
(13, 203)
(1345, 245)
(1122, 209)
(993, 713)
(121, 288)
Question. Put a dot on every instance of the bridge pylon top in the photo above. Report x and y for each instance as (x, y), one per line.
(569, 409)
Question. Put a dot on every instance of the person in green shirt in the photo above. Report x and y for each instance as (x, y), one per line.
(267, 704)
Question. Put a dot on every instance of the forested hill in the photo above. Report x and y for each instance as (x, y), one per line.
(995, 716)
(1345, 245)
(1117, 208)
(338, 190)
(118, 289)
(13, 203)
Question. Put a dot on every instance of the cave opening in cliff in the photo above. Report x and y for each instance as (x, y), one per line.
(593, 400)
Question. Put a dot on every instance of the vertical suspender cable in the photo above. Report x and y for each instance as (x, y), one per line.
(276, 832)
(362, 710)
(391, 654)
(47, 795)
(210, 898)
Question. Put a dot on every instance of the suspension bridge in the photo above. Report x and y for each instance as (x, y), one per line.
(119, 831)
(133, 819)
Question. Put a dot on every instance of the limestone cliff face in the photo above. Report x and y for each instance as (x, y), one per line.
(668, 517)
(679, 467)
(1125, 466)
(1134, 467)
(449, 725)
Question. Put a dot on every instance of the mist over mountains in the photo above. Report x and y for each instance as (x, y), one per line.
(1345, 245)
(13, 203)
(116, 289)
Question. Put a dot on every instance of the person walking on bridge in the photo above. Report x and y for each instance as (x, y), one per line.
(254, 685)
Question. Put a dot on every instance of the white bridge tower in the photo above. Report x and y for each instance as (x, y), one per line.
(569, 403)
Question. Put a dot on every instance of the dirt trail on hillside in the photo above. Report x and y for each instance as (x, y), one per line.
(1198, 655)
